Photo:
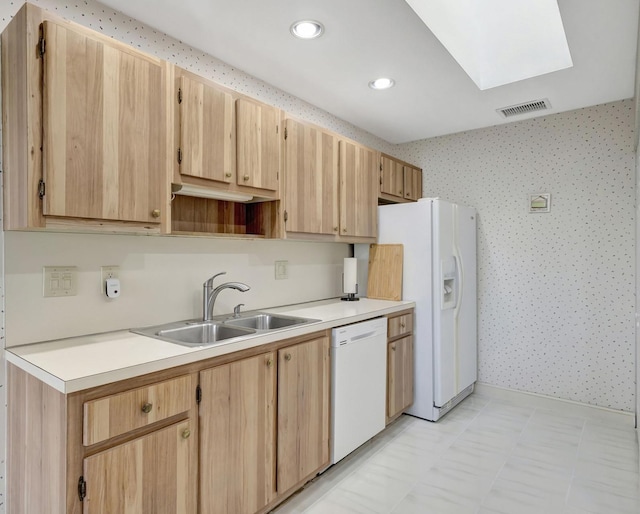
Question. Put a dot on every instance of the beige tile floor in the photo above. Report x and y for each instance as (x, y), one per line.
(498, 452)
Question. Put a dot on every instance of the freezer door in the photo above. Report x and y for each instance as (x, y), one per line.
(454, 300)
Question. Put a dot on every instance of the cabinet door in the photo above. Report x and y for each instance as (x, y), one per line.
(412, 183)
(303, 411)
(358, 190)
(104, 133)
(311, 179)
(258, 144)
(237, 436)
(153, 473)
(399, 376)
(392, 177)
(207, 142)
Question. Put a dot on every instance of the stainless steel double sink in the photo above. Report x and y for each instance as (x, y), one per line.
(222, 329)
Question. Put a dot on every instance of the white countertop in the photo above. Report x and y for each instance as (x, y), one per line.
(78, 363)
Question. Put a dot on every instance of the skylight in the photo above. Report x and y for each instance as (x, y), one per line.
(499, 41)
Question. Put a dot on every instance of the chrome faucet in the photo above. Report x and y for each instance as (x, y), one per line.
(209, 294)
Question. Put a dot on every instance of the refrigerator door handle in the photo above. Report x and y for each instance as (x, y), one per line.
(459, 283)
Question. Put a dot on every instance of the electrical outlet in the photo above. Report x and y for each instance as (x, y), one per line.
(282, 270)
(107, 273)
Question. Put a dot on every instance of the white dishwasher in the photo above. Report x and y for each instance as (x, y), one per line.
(358, 384)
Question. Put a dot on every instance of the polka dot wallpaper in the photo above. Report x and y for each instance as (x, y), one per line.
(556, 290)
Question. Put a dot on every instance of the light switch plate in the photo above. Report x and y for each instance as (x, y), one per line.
(59, 281)
(282, 270)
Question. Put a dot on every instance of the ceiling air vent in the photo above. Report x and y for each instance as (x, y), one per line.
(525, 108)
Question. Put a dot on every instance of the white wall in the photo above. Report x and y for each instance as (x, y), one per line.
(556, 290)
(161, 279)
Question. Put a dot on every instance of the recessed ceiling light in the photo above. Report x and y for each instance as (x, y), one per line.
(382, 83)
(307, 29)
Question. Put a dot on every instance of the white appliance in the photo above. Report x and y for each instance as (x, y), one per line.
(439, 274)
(358, 384)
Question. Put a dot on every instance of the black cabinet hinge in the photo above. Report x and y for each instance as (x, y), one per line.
(198, 394)
(179, 156)
(286, 216)
(285, 133)
(82, 489)
(42, 44)
(41, 189)
(179, 95)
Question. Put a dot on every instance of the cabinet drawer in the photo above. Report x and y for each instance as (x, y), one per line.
(117, 414)
(400, 325)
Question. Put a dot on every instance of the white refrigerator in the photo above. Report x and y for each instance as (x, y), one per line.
(439, 274)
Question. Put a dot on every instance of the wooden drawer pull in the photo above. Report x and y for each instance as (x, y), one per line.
(186, 433)
(146, 407)
(246, 177)
(155, 213)
(287, 357)
(402, 325)
(269, 363)
(393, 347)
(228, 175)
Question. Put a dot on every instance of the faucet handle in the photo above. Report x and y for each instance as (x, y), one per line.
(236, 310)
(209, 281)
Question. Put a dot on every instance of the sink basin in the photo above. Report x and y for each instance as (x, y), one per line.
(196, 334)
(263, 321)
(221, 329)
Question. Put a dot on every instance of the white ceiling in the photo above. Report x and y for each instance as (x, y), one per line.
(366, 39)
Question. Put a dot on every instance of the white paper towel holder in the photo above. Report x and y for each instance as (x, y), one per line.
(350, 266)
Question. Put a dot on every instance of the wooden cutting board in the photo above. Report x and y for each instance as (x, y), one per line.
(385, 272)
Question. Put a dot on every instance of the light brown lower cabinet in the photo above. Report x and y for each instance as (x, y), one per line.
(237, 436)
(303, 412)
(146, 446)
(252, 454)
(400, 376)
(149, 474)
(400, 363)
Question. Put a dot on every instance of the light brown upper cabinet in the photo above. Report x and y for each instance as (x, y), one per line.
(412, 183)
(258, 144)
(311, 179)
(85, 138)
(207, 131)
(358, 190)
(226, 142)
(391, 176)
(229, 146)
(103, 131)
(399, 181)
(331, 186)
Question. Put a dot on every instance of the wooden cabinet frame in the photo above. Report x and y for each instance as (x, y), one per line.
(333, 196)
(400, 363)
(23, 102)
(399, 181)
(46, 456)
